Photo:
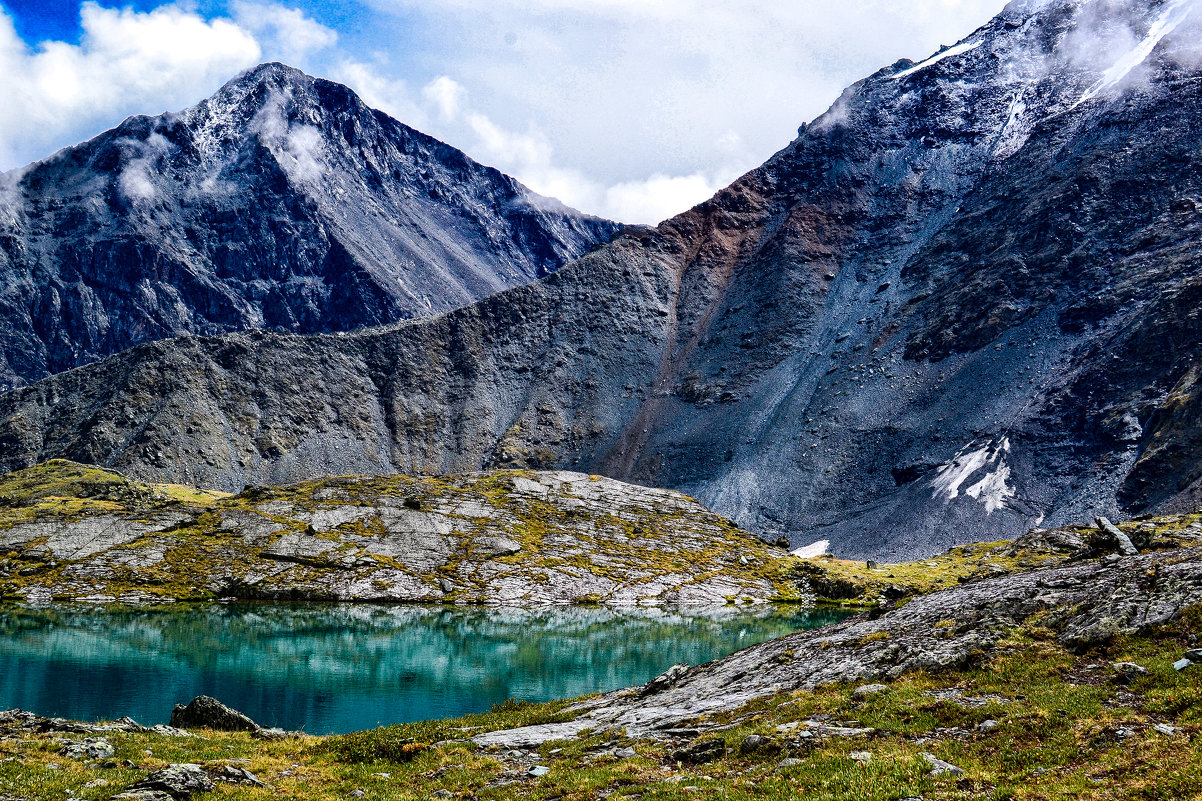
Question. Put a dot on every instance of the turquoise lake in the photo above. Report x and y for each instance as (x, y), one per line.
(337, 668)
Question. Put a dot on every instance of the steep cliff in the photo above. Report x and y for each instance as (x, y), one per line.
(280, 202)
(960, 304)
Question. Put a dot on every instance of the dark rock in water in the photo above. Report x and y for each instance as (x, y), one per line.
(179, 781)
(209, 713)
(701, 752)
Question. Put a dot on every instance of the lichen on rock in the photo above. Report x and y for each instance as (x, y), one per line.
(503, 537)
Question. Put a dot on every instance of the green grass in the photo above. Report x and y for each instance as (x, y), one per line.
(1057, 738)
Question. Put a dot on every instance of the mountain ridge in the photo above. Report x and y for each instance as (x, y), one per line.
(896, 335)
(281, 201)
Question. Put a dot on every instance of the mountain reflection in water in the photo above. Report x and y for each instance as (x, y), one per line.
(336, 668)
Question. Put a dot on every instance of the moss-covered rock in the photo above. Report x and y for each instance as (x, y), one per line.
(68, 531)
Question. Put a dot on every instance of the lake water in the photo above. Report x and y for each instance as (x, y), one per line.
(338, 668)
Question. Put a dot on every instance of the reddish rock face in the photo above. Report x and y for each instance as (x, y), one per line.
(954, 308)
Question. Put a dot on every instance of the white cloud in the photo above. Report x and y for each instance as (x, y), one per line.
(530, 156)
(137, 182)
(627, 108)
(288, 33)
(297, 147)
(626, 89)
(128, 62)
(447, 95)
(390, 95)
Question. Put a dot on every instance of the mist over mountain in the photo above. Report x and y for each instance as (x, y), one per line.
(960, 304)
(280, 202)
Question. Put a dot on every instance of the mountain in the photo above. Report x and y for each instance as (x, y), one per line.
(962, 303)
(280, 202)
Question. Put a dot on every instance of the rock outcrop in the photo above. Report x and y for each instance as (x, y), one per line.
(281, 202)
(204, 712)
(962, 303)
(506, 538)
(1085, 603)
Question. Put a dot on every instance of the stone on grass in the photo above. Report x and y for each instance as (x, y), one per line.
(865, 690)
(232, 774)
(179, 781)
(88, 748)
(987, 725)
(1194, 654)
(625, 753)
(758, 744)
(939, 767)
(1182, 664)
(168, 731)
(209, 713)
(863, 757)
(701, 752)
(143, 795)
(1120, 540)
(1165, 729)
(1129, 670)
(273, 734)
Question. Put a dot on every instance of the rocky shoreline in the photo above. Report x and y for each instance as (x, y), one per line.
(923, 692)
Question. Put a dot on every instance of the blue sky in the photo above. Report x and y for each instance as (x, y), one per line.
(633, 109)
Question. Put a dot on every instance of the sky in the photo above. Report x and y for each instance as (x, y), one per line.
(630, 109)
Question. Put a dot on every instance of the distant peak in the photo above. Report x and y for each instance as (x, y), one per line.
(272, 74)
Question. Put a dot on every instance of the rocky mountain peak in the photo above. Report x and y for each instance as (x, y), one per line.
(962, 303)
(282, 201)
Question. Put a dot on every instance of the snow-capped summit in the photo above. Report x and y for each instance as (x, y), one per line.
(280, 202)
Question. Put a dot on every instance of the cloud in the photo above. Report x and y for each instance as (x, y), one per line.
(137, 182)
(631, 109)
(287, 33)
(626, 89)
(297, 147)
(447, 95)
(129, 62)
(393, 96)
(530, 156)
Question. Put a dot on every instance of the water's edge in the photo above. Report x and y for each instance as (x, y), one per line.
(339, 667)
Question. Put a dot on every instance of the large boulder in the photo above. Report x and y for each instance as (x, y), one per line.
(209, 713)
(178, 781)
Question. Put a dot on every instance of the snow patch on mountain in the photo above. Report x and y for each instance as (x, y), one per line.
(1175, 12)
(963, 47)
(813, 550)
(992, 489)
